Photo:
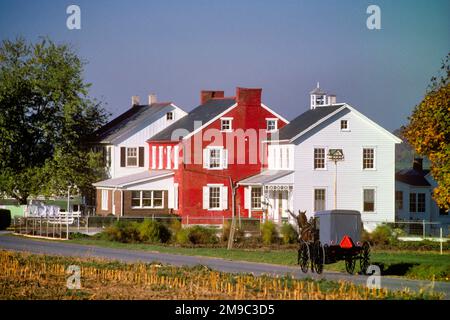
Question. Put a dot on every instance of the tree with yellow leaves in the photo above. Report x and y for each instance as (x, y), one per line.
(428, 132)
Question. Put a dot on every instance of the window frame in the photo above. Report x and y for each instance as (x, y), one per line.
(347, 125)
(230, 123)
(374, 200)
(127, 157)
(105, 200)
(398, 202)
(219, 200)
(256, 198)
(152, 198)
(324, 198)
(374, 166)
(275, 121)
(325, 150)
(412, 202)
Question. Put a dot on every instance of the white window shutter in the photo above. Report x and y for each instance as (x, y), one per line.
(205, 197)
(175, 196)
(224, 159)
(224, 198)
(247, 198)
(206, 158)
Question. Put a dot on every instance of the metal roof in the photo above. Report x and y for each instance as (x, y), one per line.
(203, 113)
(266, 177)
(129, 121)
(305, 120)
(413, 177)
(133, 178)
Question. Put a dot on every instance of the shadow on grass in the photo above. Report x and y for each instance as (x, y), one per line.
(395, 269)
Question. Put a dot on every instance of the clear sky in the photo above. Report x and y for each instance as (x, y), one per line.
(175, 48)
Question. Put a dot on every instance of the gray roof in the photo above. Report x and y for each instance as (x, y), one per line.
(128, 121)
(265, 177)
(413, 177)
(203, 113)
(133, 178)
(317, 91)
(305, 120)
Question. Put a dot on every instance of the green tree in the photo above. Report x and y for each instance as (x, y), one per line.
(45, 115)
(428, 132)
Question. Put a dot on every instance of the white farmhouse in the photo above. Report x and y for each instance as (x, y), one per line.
(300, 176)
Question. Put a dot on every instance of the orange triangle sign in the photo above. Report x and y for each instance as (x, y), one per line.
(346, 242)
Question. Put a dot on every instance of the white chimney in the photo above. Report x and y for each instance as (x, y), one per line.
(331, 99)
(152, 98)
(135, 100)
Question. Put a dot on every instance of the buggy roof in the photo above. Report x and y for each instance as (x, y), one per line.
(337, 212)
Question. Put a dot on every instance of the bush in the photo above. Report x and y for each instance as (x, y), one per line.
(238, 233)
(202, 235)
(288, 233)
(123, 231)
(5, 219)
(269, 232)
(182, 236)
(385, 235)
(153, 231)
(175, 226)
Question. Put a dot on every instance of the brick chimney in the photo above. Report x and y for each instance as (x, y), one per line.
(248, 97)
(135, 100)
(206, 95)
(418, 164)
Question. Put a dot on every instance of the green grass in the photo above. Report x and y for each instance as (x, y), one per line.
(410, 264)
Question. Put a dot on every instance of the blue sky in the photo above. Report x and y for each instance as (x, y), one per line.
(175, 48)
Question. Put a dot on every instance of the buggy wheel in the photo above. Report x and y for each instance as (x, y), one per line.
(350, 263)
(319, 257)
(364, 260)
(303, 256)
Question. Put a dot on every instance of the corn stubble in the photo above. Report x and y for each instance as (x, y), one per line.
(26, 276)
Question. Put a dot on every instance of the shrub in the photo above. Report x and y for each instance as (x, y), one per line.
(288, 233)
(123, 231)
(175, 226)
(5, 219)
(269, 232)
(202, 235)
(238, 233)
(384, 235)
(153, 231)
(182, 236)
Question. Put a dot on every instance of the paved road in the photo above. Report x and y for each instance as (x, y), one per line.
(15, 243)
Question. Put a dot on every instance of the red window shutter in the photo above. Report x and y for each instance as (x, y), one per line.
(123, 158)
(141, 156)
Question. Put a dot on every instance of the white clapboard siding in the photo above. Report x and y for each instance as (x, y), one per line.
(351, 177)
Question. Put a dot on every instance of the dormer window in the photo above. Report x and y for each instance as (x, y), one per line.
(226, 124)
(344, 125)
(169, 115)
(272, 125)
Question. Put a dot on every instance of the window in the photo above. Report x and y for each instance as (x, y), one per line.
(417, 202)
(272, 125)
(105, 200)
(214, 197)
(368, 158)
(319, 158)
(147, 199)
(107, 156)
(399, 200)
(412, 202)
(344, 125)
(369, 200)
(225, 124)
(169, 115)
(132, 157)
(319, 199)
(256, 197)
(215, 158)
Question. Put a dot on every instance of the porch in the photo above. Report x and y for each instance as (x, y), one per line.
(269, 195)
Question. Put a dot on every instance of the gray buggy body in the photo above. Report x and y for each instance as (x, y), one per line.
(333, 225)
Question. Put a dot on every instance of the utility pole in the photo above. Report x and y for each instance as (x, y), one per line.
(335, 155)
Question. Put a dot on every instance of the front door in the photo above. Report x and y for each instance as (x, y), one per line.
(281, 205)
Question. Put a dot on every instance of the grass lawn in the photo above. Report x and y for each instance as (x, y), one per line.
(410, 264)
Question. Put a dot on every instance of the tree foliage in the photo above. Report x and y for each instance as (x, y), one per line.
(428, 132)
(45, 116)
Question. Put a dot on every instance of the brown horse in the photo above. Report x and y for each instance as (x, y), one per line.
(305, 228)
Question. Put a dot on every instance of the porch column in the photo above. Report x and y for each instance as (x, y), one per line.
(250, 202)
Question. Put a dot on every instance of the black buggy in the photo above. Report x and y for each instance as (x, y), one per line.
(332, 236)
